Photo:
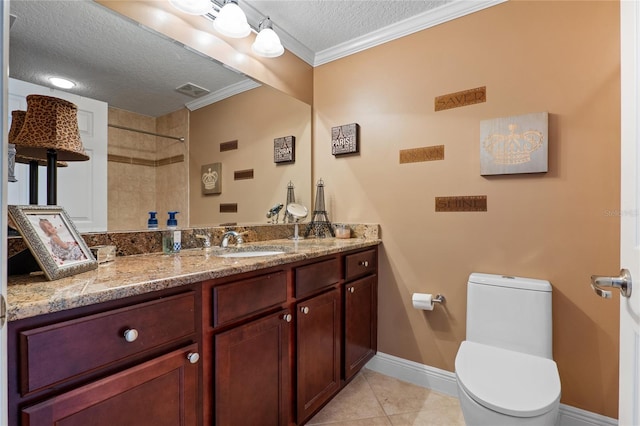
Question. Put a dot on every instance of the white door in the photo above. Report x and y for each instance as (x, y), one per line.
(630, 213)
(82, 185)
(4, 130)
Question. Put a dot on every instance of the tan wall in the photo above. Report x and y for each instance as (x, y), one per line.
(560, 57)
(253, 118)
(145, 172)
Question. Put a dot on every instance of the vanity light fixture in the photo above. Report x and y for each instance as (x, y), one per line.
(267, 42)
(192, 7)
(231, 21)
(62, 83)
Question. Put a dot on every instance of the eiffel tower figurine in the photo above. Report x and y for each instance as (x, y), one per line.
(291, 198)
(319, 221)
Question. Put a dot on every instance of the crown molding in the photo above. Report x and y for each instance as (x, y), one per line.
(431, 18)
(221, 94)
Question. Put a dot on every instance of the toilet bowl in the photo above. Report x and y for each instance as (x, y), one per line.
(504, 370)
(503, 387)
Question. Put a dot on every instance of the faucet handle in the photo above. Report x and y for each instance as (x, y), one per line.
(206, 238)
(239, 239)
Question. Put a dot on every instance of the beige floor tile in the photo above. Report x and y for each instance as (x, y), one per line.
(398, 397)
(356, 401)
(445, 416)
(375, 421)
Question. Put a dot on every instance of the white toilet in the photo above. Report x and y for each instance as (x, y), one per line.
(505, 371)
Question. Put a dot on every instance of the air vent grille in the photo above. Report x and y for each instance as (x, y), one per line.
(192, 90)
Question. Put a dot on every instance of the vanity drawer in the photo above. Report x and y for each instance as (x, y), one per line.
(239, 299)
(54, 353)
(311, 278)
(360, 264)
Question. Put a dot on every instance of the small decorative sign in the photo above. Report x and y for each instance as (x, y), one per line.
(243, 174)
(460, 99)
(416, 155)
(517, 144)
(211, 178)
(284, 149)
(229, 208)
(228, 146)
(344, 139)
(472, 203)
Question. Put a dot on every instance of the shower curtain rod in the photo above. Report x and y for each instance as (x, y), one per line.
(146, 133)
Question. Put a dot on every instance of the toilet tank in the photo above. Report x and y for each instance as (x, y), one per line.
(510, 312)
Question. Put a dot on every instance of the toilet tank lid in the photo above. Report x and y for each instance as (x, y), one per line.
(510, 281)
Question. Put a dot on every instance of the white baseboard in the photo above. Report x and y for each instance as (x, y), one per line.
(445, 382)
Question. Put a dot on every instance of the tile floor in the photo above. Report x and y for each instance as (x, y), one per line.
(373, 399)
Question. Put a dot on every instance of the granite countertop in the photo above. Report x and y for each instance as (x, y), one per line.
(32, 295)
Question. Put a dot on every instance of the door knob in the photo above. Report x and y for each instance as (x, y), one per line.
(623, 282)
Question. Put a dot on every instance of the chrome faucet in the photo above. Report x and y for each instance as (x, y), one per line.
(234, 234)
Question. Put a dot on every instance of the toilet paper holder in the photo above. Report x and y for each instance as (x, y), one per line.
(439, 298)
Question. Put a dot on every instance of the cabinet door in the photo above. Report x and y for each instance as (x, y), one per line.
(160, 392)
(318, 342)
(360, 324)
(252, 373)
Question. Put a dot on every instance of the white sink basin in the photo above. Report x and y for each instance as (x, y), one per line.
(255, 253)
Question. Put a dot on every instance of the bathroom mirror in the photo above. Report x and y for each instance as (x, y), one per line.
(248, 194)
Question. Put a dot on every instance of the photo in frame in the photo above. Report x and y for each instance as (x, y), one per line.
(53, 240)
(345, 139)
(284, 149)
(211, 178)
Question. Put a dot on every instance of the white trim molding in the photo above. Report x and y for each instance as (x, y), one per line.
(221, 94)
(445, 382)
(428, 19)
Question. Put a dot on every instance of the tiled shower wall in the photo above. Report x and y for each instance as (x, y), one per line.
(145, 172)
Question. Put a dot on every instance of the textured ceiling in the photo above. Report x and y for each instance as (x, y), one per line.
(117, 61)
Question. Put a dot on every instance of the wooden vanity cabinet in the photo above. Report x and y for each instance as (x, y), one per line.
(248, 337)
(318, 335)
(360, 310)
(131, 361)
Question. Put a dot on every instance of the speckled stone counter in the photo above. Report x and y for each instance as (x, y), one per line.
(31, 295)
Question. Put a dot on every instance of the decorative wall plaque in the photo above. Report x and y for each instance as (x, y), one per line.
(243, 174)
(345, 139)
(416, 155)
(211, 178)
(472, 203)
(517, 144)
(228, 146)
(460, 99)
(284, 149)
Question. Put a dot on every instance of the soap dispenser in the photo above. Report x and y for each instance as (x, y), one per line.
(172, 237)
(152, 223)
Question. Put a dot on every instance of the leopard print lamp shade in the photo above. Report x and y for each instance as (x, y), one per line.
(50, 124)
(17, 122)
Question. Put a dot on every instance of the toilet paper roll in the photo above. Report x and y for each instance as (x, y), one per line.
(423, 301)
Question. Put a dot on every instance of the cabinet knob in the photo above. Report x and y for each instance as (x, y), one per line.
(287, 317)
(193, 357)
(352, 289)
(130, 335)
(364, 263)
(304, 310)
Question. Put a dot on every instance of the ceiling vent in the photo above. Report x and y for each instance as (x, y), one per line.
(192, 90)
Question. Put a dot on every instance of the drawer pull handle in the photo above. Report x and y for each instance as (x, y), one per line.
(131, 335)
(193, 357)
(364, 263)
(287, 317)
(304, 310)
(352, 289)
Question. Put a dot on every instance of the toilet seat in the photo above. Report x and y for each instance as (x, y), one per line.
(509, 382)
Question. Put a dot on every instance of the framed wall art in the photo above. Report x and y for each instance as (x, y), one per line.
(284, 149)
(53, 240)
(211, 178)
(345, 139)
(517, 144)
